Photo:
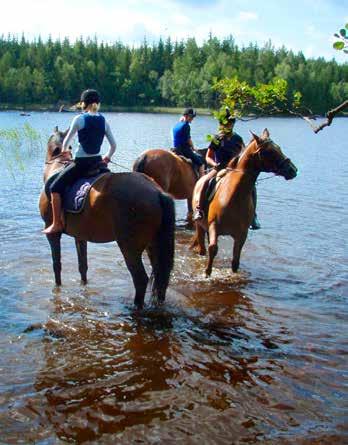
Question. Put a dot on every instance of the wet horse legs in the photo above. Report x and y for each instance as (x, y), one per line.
(237, 248)
(54, 241)
(81, 249)
(136, 268)
(212, 249)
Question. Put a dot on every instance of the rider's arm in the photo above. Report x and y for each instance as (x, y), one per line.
(112, 142)
(210, 158)
(75, 126)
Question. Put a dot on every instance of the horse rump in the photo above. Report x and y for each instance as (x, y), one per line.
(139, 164)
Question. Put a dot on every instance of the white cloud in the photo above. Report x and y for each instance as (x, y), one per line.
(247, 16)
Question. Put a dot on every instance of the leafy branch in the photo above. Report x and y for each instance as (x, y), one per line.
(342, 43)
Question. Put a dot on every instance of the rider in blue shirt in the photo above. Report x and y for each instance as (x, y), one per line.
(91, 128)
(182, 141)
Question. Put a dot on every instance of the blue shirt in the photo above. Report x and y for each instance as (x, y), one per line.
(92, 134)
(181, 134)
(78, 124)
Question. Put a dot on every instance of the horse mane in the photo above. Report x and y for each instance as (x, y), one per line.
(233, 162)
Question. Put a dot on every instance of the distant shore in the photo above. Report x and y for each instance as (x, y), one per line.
(27, 108)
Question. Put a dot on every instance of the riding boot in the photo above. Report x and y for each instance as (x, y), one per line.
(57, 225)
(255, 223)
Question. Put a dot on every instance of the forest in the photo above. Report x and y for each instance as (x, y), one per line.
(165, 73)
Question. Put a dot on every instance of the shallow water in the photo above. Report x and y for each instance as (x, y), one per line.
(258, 356)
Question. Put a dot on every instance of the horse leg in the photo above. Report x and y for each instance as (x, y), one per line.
(237, 248)
(198, 239)
(81, 249)
(139, 276)
(189, 213)
(54, 241)
(212, 249)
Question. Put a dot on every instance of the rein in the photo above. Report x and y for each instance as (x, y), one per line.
(54, 159)
(120, 165)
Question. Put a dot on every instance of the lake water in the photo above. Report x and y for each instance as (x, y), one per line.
(254, 357)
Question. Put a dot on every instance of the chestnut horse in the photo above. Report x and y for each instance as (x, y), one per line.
(175, 175)
(128, 208)
(232, 208)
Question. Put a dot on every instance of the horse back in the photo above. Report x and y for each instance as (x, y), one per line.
(119, 206)
(170, 171)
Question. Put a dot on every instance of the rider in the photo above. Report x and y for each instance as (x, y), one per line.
(223, 147)
(182, 141)
(91, 128)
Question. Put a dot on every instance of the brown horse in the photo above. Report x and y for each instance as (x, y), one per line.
(232, 208)
(128, 208)
(175, 175)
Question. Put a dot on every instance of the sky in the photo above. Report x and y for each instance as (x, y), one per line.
(300, 25)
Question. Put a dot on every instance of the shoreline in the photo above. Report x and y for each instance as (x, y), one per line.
(104, 108)
(27, 109)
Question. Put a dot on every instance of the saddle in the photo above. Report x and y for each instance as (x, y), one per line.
(213, 186)
(194, 167)
(74, 196)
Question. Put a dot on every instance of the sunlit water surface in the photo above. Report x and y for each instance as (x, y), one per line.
(254, 357)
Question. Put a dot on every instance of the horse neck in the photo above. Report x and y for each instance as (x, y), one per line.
(51, 168)
(247, 165)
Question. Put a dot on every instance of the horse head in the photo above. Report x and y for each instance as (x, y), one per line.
(271, 158)
(55, 157)
(55, 144)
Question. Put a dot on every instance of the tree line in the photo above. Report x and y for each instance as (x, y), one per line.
(163, 73)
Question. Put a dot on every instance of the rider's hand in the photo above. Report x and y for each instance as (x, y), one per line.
(66, 154)
(106, 159)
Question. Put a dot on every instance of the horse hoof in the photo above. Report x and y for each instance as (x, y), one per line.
(202, 252)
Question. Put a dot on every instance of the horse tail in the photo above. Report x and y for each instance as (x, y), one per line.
(162, 249)
(139, 164)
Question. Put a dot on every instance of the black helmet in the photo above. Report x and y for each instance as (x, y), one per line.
(226, 117)
(90, 97)
(189, 112)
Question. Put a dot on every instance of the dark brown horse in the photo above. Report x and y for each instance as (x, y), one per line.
(171, 172)
(232, 208)
(128, 208)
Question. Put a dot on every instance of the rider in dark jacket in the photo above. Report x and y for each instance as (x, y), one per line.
(222, 149)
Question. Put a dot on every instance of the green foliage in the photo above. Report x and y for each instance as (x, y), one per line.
(16, 146)
(342, 43)
(165, 73)
(243, 99)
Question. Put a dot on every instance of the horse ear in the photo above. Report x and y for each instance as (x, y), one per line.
(56, 129)
(265, 134)
(255, 137)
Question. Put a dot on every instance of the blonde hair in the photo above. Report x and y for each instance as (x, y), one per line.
(94, 107)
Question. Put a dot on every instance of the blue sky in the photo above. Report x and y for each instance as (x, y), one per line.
(306, 25)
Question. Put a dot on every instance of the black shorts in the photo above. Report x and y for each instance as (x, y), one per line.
(77, 169)
(186, 150)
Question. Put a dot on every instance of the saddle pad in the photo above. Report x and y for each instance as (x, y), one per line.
(74, 197)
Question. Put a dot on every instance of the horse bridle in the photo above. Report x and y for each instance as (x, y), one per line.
(281, 164)
(54, 159)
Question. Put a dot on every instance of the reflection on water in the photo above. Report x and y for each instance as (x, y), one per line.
(258, 356)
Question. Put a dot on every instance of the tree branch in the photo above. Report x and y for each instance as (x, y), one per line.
(330, 115)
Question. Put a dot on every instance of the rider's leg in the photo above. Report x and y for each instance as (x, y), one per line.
(57, 225)
(255, 224)
(65, 177)
(201, 189)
